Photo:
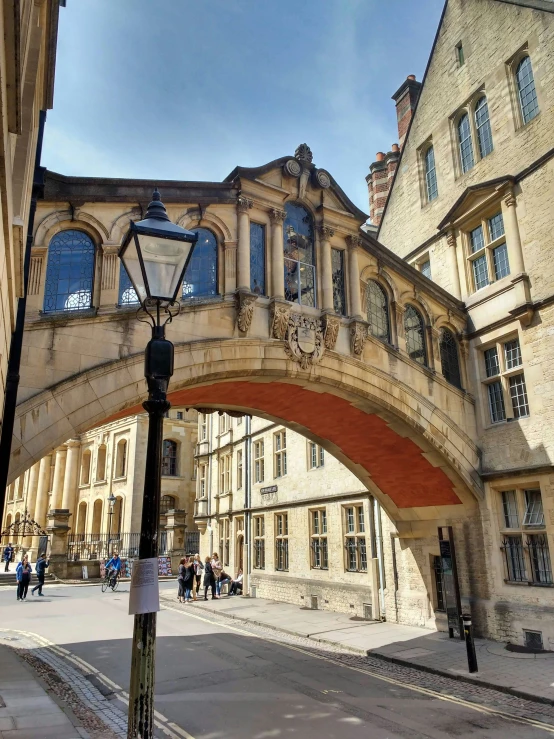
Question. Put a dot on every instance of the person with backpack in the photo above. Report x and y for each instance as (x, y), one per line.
(40, 568)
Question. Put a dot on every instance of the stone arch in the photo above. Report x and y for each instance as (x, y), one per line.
(364, 418)
(194, 218)
(96, 523)
(81, 518)
(374, 272)
(120, 225)
(61, 221)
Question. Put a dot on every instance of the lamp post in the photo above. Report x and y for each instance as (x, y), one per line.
(111, 503)
(155, 253)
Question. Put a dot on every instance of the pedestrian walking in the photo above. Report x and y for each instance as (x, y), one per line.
(198, 570)
(40, 568)
(23, 577)
(8, 554)
(188, 581)
(209, 579)
(217, 567)
(181, 580)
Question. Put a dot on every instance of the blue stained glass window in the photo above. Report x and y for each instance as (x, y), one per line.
(298, 235)
(69, 272)
(257, 258)
(201, 275)
(127, 294)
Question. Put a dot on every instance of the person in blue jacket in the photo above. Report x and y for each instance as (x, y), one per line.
(8, 554)
(40, 568)
(23, 577)
(114, 567)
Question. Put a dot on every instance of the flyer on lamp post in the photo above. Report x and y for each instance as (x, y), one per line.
(145, 595)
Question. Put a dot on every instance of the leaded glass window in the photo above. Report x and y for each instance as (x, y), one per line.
(500, 260)
(480, 274)
(512, 352)
(496, 226)
(69, 272)
(492, 365)
(496, 402)
(415, 335)
(483, 125)
(476, 239)
(339, 293)
(127, 294)
(257, 258)
(377, 311)
(526, 90)
(425, 268)
(201, 275)
(298, 235)
(169, 458)
(518, 394)
(431, 174)
(509, 508)
(464, 140)
(450, 364)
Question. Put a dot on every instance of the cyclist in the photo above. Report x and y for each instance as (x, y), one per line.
(113, 568)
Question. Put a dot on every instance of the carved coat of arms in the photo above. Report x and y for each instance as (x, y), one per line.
(305, 339)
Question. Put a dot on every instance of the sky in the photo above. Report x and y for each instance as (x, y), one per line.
(189, 89)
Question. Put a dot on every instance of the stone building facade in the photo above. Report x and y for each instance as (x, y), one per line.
(471, 207)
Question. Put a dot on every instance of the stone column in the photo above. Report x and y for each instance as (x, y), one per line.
(58, 529)
(70, 478)
(277, 253)
(176, 527)
(453, 258)
(354, 277)
(42, 490)
(325, 233)
(230, 276)
(57, 485)
(243, 253)
(32, 488)
(513, 238)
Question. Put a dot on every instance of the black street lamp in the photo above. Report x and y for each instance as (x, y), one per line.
(111, 503)
(155, 253)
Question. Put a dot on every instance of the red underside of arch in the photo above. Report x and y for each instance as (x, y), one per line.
(395, 464)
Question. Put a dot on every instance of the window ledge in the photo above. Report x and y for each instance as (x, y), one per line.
(527, 583)
(99, 482)
(120, 479)
(64, 315)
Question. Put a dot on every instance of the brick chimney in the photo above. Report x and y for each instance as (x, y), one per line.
(379, 181)
(406, 99)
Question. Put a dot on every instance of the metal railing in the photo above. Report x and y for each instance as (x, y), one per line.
(192, 542)
(101, 546)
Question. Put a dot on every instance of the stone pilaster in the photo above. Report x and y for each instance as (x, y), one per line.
(59, 471)
(277, 253)
(176, 527)
(243, 254)
(58, 529)
(70, 477)
(41, 504)
(453, 261)
(353, 242)
(513, 238)
(325, 235)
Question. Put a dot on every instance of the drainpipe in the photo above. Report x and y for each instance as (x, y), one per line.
(379, 540)
(16, 345)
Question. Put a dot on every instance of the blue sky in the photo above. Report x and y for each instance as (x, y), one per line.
(188, 89)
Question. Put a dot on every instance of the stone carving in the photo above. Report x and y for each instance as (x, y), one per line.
(277, 216)
(292, 168)
(331, 334)
(305, 341)
(303, 183)
(245, 309)
(322, 178)
(244, 204)
(279, 321)
(326, 232)
(358, 335)
(354, 241)
(304, 154)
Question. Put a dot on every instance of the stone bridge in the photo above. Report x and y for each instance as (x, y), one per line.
(291, 312)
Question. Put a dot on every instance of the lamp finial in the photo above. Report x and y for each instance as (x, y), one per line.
(156, 209)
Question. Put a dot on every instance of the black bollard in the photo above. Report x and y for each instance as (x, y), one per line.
(470, 644)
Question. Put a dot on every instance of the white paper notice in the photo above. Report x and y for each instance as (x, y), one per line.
(145, 595)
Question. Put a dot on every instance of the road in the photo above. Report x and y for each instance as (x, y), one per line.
(219, 681)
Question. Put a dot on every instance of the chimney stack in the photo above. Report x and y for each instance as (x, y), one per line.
(406, 100)
(379, 181)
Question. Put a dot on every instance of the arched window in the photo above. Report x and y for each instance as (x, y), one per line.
(169, 459)
(415, 335)
(127, 294)
(117, 516)
(69, 272)
(526, 90)
(121, 459)
(101, 463)
(167, 503)
(464, 140)
(298, 235)
(431, 174)
(483, 126)
(201, 275)
(81, 518)
(377, 311)
(10, 492)
(97, 517)
(85, 468)
(450, 363)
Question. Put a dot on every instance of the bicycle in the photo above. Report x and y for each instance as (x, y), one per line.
(110, 580)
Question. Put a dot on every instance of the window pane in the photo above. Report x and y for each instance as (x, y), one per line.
(480, 274)
(492, 366)
(496, 402)
(466, 147)
(361, 522)
(518, 393)
(69, 272)
(350, 521)
(201, 275)
(450, 364)
(415, 338)
(515, 561)
(339, 295)
(298, 234)
(323, 522)
(477, 239)
(482, 122)
(307, 285)
(500, 260)
(363, 554)
(426, 269)
(509, 507)
(526, 89)
(540, 559)
(351, 553)
(431, 174)
(534, 514)
(377, 311)
(496, 226)
(257, 258)
(127, 294)
(512, 352)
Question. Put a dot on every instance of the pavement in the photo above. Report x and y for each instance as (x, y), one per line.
(530, 676)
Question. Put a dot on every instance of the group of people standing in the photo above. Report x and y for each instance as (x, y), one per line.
(191, 570)
(23, 572)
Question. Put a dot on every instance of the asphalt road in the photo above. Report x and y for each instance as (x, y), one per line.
(217, 681)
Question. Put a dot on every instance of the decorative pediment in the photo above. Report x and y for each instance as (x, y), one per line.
(474, 198)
